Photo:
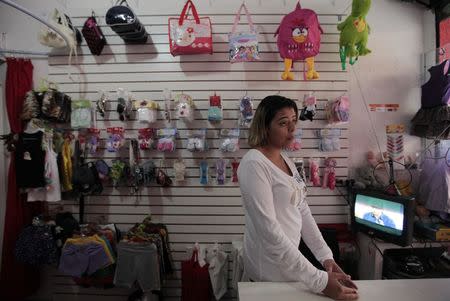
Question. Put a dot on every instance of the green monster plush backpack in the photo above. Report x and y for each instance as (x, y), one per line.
(354, 33)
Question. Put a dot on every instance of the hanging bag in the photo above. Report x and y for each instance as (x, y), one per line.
(195, 281)
(126, 24)
(243, 45)
(50, 38)
(93, 35)
(190, 36)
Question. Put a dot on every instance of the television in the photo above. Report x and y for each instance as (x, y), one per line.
(390, 218)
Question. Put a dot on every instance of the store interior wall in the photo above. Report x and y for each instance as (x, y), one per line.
(401, 32)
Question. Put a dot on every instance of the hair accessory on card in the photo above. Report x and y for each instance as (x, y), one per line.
(314, 171)
(184, 108)
(124, 105)
(220, 171)
(246, 109)
(163, 179)
(204, 172)
(102, 169)
(329, 176)
(309, 108)
(166, 144)
(146, 138)
(234, 166)
(180, 169)
(101, 103)
(197, 141)
(329, 140)
(297, 142)
(215, 108)
(229, 140)
(93, 140)
(166, 139)
(167, 100)
(116, 139)
(117, 172)
(149, 172)
(147, 110)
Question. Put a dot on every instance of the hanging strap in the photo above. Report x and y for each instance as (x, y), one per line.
(185, 11)
(120, 2)
(238, 17)
(298, 5)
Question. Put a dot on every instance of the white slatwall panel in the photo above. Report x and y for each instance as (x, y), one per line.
(191, 211)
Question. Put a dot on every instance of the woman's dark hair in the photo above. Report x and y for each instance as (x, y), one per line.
(265, 112)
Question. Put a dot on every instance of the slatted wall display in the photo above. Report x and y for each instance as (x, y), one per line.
(194, 212)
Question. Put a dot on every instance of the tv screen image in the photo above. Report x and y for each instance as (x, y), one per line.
(381, 214)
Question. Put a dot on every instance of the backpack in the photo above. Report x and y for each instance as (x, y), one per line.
(299, 39)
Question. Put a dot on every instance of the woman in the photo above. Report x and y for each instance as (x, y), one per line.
(276, 213)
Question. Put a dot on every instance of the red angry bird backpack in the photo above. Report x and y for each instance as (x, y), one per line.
(299, 39)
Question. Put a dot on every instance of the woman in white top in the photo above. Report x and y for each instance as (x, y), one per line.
(276, 213)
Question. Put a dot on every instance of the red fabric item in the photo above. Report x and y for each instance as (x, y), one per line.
(16, 280)
(195, 282)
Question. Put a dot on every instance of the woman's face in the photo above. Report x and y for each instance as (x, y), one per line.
(282, 128)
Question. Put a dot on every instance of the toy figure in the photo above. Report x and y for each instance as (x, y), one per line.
(354, 33)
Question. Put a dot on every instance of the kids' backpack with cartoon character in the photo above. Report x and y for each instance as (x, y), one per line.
(299, 39)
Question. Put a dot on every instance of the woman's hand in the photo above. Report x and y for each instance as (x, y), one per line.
(331, 266)
(336, 290)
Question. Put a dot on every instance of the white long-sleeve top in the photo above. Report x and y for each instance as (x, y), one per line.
(276, 217)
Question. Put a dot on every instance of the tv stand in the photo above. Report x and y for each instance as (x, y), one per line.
(370, 264)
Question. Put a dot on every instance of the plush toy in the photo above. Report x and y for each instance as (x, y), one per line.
(299, 39)
(365, 178)
(354, 33)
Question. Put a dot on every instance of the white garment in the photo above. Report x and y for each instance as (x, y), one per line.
(237, 259)
(218, 271)
(276, 217)
(52, 192)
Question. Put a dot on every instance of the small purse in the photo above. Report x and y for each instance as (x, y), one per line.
(243, 45)
(190, 36)
(93, 35)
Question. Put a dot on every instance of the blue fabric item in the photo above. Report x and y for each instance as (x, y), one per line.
(204, 172)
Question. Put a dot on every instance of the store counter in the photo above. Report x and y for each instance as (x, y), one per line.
(369, 290)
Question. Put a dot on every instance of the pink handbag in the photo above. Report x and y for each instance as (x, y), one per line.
(190, 35)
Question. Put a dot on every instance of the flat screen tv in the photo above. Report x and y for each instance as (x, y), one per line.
(390, 218)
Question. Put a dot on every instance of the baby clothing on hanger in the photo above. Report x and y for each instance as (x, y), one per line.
(434, 115)
(52, 191)
(30, 160)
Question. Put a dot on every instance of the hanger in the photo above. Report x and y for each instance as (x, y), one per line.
(31, 14)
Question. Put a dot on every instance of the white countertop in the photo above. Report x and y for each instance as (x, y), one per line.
(369, 290)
